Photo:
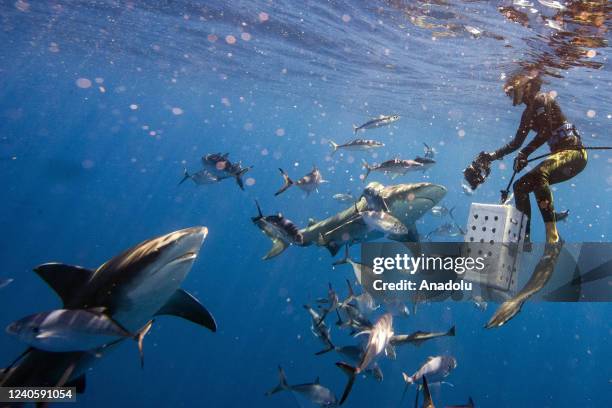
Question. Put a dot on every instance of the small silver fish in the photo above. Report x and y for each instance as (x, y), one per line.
(365, 302)
(394, 167)
(356, 145)
(309, 183)
(378, 340)
(426, 162)
(382, 120)
(279, 229)
(320, 329)
(384, 222)
(314, 392)
(65, 330)
(435, 368)
(343, 197)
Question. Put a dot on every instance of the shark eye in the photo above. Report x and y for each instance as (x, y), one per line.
(35, 330)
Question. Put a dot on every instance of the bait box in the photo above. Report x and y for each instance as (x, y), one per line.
(495, 233)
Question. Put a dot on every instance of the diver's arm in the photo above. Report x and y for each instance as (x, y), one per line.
(518, 140)
(537, 141)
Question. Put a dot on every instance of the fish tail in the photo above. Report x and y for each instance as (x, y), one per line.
(367, 167)
(334, 146)
(351, 372)
(239, 177)
(139, 337)
(330, 347)
(186, 176)
(408, 379)
(287, 182)
(451, 332)
(282, 382)
(345, 259)
(351, 294)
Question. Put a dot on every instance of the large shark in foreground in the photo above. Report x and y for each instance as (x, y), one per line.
(405, 202)
(132, 287)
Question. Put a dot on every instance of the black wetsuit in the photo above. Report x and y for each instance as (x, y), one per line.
(544, 116)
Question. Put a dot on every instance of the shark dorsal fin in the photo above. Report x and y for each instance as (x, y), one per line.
(183, 304)
(311, 222)
(317, 381)
(65, 280)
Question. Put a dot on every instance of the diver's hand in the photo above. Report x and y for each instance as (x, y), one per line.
(520, 162)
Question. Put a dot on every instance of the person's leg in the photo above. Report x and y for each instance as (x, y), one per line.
(557, 168)
(522, 187)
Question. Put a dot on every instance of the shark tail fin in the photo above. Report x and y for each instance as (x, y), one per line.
(367, 168)
(471, 402)
(139, 337)
(282, 382)
(287, 182)
(186, 176)
(451, 332)
(351, 372)
(334, 146)
(278, 246)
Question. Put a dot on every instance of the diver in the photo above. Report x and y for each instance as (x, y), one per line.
(544, 116)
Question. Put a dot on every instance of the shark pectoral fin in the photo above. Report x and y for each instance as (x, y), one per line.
(78, 383)
(278, 246)
(184, 305)
(65, 280)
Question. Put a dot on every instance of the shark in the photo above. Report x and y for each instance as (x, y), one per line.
(406, 202)
(132, 287)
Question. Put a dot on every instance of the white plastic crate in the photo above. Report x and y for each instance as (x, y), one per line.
(496, 233)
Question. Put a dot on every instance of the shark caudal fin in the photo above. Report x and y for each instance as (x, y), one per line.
(351, 372)
(278, 246)
(287, 182)
(367, 168)
(334, 146)
(186, 176)
(282, 383)
(139, 337)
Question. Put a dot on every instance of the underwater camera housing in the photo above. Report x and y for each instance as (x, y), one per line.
(478, 171)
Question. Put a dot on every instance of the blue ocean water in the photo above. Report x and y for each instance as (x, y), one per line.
(104, 103)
